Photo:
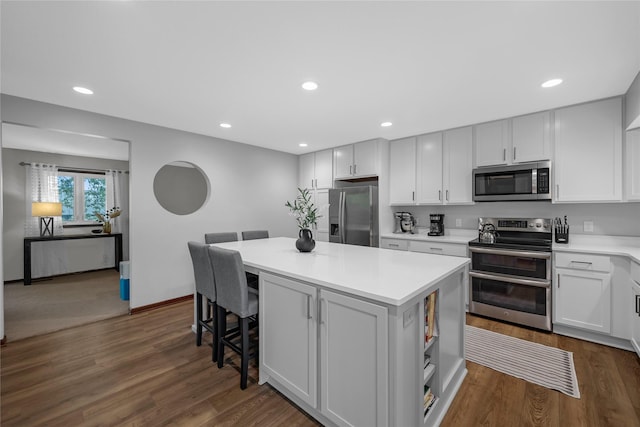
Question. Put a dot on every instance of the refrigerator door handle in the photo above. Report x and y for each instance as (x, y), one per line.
(341, 218)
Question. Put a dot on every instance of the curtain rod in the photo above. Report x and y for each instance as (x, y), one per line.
(74, 169)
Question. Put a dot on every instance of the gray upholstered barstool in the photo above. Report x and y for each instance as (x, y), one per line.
(227, 236)
(233, 295)
(255, 234)
(205, 286)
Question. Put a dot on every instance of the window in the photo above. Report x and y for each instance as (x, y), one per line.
(81, 195)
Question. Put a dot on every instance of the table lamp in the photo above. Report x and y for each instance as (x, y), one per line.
(46, 211)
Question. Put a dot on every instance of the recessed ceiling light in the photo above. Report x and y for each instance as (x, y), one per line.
(386, 124)
(309, 85)
(302, 144)
(552, 83)
(225, 125)
(83, 90)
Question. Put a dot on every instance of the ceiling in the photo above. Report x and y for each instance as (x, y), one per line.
(423, 66)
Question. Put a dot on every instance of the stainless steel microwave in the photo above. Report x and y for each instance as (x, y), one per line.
(525, 181)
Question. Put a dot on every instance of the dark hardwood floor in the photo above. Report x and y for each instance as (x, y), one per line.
(146, 370)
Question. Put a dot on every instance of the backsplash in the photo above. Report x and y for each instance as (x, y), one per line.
(615, 219)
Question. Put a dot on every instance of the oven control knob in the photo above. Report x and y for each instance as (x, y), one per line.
(538, 225)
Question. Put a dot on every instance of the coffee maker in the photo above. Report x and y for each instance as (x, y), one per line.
(436, 227)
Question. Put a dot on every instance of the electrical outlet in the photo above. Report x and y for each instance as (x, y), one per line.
(588, 226)
(458, 222)
(407, 317)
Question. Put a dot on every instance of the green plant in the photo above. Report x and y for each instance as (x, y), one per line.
(108, 215)
(303, 210)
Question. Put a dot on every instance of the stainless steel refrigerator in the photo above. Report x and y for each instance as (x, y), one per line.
(353, 215)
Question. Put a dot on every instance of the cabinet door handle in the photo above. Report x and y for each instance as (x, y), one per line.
(320, 311)
(558, 280)
(557, 191)
(312, 183)
(586, 264)
(355, 168)
(514, 153)
(413, 196)
(309, 311)
(504, 154)
(638, 304)
(440, 195)
(350, 167)
(447, 192)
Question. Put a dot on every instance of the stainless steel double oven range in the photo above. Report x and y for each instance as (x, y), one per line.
(510, 276)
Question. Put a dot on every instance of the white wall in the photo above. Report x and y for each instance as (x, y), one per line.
(249, 186)
(632, 103)
(615, 219)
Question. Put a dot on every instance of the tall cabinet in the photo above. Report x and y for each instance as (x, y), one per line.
(315, 172)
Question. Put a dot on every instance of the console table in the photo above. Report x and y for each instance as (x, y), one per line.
(28, 240)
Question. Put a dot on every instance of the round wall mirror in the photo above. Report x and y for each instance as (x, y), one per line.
(181, 187)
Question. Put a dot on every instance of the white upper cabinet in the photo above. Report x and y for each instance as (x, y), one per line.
(429, 169)
(531, 138)
(457, 166)
(633, 165)
(588, 152)
(492, 142)
(517, 140)
(402, 171)
(356, 160)
(315, 170)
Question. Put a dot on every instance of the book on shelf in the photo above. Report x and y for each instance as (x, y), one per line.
(429, 399)
(430, 323)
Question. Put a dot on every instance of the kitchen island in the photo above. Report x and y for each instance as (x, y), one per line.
(342, 330)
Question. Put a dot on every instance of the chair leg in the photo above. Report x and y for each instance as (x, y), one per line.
(214, 341)
(244, 336)
(221, 330)
(198, 319)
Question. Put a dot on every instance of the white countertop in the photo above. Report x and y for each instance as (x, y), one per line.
(458, 236)
(383, 275)
(608, 245)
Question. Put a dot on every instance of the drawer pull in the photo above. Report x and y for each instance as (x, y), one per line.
(394, 245)
(436, 249)
(585, 263)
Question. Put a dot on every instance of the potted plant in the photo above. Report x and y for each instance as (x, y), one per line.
(107, 217)
(306, 215)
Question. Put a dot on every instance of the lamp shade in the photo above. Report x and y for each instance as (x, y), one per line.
(46, 209)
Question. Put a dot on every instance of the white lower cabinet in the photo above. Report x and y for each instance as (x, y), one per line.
(354, 365)
(348, 361)
(582, 291)
(397, 244)
(288, 336)
(635, 309)
(354, 361)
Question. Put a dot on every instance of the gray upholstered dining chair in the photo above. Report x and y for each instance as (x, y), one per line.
(255, 234)
(227, 236)
(205, 287)
(233, 295)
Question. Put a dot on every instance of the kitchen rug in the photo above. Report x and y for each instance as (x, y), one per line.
(539, 364)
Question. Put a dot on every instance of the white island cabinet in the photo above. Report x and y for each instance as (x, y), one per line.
(342, 330)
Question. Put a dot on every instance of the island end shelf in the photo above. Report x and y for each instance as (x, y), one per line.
(342, 330)
(28, 240)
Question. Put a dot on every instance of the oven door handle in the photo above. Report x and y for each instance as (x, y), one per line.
(511, 279)
(508, 252)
